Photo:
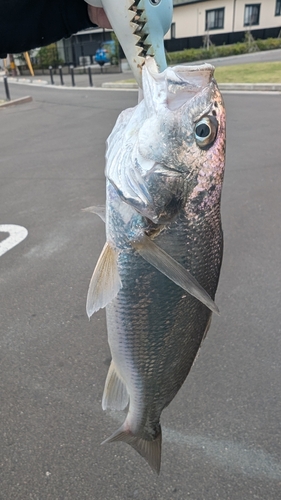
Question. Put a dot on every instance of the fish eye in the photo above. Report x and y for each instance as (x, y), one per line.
(155, 2)
(206, 131)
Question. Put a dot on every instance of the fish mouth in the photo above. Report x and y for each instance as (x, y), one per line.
(140, 26)
(178, 84)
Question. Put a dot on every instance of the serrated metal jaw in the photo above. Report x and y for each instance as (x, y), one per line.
(140, 26)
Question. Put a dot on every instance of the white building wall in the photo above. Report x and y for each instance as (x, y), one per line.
(267, 14)
(190, 19)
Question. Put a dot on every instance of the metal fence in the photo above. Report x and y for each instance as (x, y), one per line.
(197, 42)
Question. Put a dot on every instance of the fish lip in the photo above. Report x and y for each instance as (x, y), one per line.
(183, 68)
(197, 76)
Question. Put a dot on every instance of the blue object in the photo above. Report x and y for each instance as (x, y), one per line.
(102, 56)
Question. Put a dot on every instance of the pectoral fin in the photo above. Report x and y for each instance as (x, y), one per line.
(173, 270)
(105, 282)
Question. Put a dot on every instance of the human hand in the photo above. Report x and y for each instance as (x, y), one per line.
(98, 16)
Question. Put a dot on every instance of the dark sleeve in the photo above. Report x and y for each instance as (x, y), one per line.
(27, 24)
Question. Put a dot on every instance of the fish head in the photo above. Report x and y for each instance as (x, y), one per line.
(172, 145)
(140, 26)
(185, 126)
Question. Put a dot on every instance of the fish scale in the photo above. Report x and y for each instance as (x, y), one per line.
(162, 329)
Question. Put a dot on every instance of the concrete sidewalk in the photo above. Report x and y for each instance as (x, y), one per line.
(81, 80)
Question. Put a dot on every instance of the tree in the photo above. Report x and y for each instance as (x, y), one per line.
(48, 56)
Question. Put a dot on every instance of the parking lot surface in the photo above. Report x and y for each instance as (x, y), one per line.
(221, 434)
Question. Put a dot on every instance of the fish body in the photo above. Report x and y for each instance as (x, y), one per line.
(159, 270)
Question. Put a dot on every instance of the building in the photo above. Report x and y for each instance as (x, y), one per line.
(225, 21)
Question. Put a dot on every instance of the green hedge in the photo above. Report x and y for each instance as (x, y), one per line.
(188, 55)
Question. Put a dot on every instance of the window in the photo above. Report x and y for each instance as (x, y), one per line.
(278, 8)
(252, 14)
(214, 19)
(173, 30)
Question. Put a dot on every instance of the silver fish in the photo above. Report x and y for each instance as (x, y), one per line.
(159, 269)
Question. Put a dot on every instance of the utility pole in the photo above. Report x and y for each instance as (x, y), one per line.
(233, 17)
(12, 64)
(28, 62)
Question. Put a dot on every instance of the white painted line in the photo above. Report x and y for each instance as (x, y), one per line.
(16, 235)
(85, 89)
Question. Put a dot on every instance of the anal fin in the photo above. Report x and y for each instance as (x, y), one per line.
(105, 282)
(115, 395)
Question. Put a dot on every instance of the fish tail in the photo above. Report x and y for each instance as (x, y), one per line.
(149, 450)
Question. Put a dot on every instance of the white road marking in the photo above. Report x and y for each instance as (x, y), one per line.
(46, 249)
(16, 235)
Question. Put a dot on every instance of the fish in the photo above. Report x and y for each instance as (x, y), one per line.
(158, 272)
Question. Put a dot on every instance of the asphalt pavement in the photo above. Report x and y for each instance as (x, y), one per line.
(221, 434)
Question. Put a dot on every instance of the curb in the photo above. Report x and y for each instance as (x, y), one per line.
(121, 85)
(22, 100)
(25, 81)
(258, 87)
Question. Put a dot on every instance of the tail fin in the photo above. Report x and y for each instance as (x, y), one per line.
(149, 450)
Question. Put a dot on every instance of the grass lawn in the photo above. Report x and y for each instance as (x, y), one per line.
(266, 72)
